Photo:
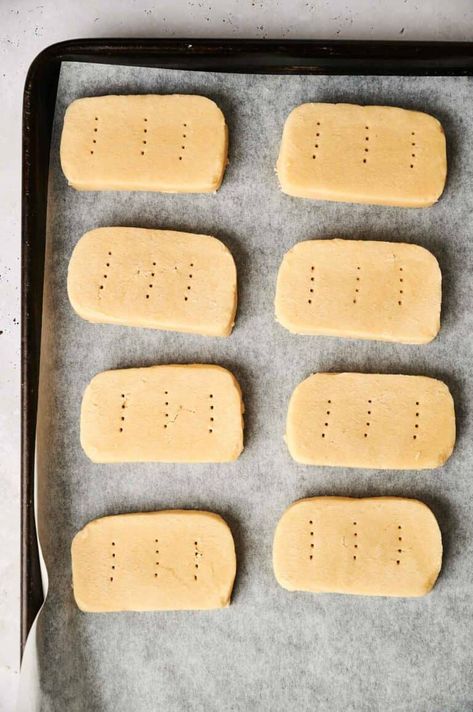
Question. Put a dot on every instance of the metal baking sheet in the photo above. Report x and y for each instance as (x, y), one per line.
(271, 650)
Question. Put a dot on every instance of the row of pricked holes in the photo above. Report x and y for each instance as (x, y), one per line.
(329, 402)
(211, 417)
(152, 277)
(196, 554)
(113, 565)
(189, 285)
(184, 136)
(156, 551)
(368, 423)
(401, 282)
(105, 276)
(413, 155)
(122, 417)
(312, 280)
(399, 551)
(416, 425)
(166, 403)
(94, 140)
(145, 131)
(317, 138)
(357, 288)
(367, 138)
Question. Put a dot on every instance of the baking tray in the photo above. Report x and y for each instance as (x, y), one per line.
(240, 56)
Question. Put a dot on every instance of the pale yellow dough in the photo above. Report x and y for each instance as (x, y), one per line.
(158, 279)
(366, 290)
(158, 561)
(379, 546)
(171, 413)
(371, 421)
(172, 143)
(363, 154)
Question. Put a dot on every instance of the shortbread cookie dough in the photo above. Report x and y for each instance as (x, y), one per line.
(366, 290)
(158, 561)
(171, 413)
(169, 143)
(363, 154)
(371, 421)
(154, 278)
(379, 546)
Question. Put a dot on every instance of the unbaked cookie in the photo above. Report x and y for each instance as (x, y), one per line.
(172, 143)
(157, 561)
(360, 289)
(363, 154)
(366, 420)
(171, 413)
(158, 279)
(379, 546)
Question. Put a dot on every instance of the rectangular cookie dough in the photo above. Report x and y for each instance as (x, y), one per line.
(171, 413)
(172, 143)
(360, 289)
(158, 279)
(380, 155)
(366, 420)
(379, 546)
(157, 561)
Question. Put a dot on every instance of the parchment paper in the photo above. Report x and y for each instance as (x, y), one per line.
(271, 650)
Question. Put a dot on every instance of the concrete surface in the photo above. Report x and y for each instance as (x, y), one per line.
(26, 27)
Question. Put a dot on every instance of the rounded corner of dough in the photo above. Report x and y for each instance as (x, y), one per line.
(220, 245)
(97, 378)
(76, 104)
(91, 452)
(236, 383)
(293, 449)
(421, 250)
(206, 100)
(281, 316)
(222, 117)
(281, 580)
(238, 451)
(299, 109)
(427, 337)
